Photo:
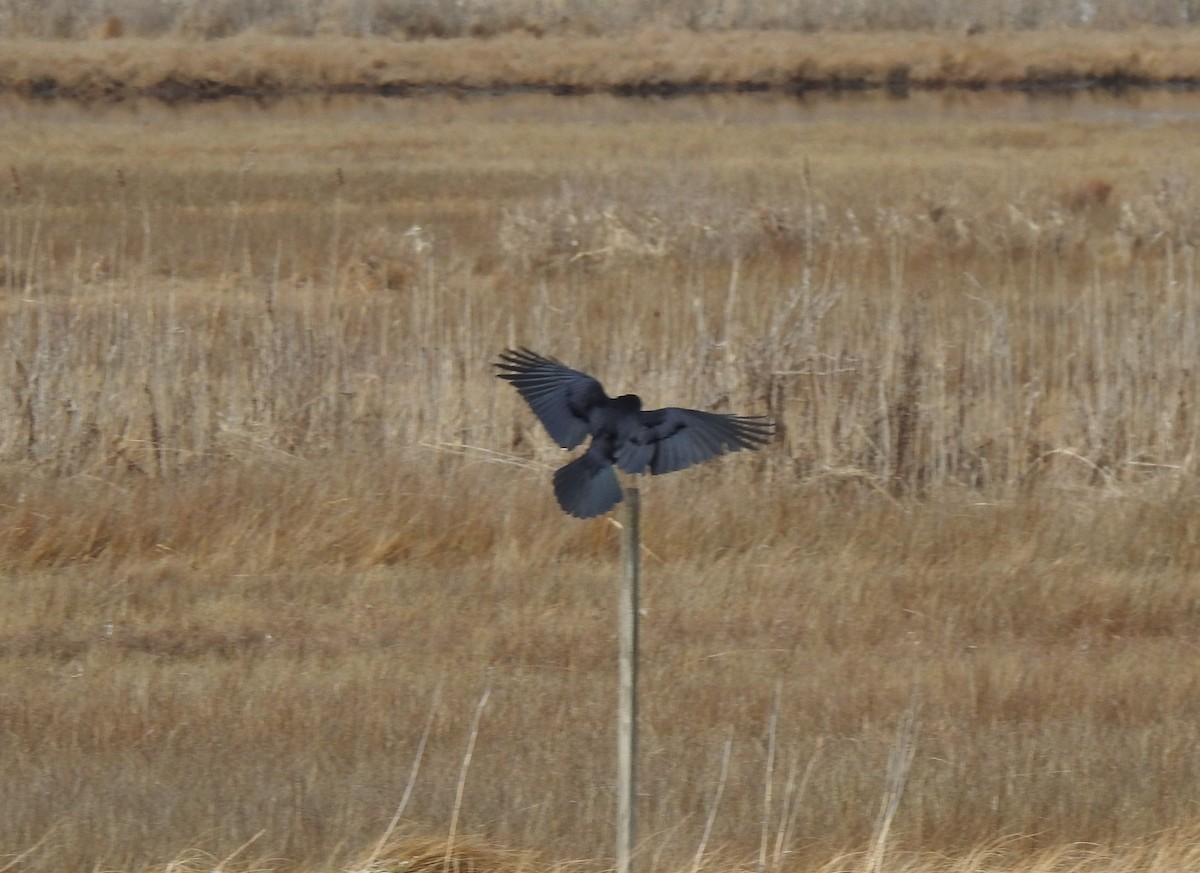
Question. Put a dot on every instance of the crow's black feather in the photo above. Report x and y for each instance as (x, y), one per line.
(573, 406)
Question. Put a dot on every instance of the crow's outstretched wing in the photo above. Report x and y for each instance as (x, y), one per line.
(670, 439)
(561, 397)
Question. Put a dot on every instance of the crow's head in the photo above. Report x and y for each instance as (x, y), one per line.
(628, 403)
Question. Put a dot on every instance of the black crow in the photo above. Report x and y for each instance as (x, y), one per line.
(573, 406)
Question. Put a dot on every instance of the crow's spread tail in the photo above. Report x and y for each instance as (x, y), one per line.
(587, 487)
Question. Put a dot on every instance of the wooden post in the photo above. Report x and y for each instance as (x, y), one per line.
(627, 642)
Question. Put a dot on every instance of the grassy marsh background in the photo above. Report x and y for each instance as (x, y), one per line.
(266, 513)
(651, 60)
(484, 18)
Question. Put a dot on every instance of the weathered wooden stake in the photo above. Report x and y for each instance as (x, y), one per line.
(627, 642)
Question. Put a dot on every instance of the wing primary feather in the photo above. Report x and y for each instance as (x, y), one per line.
(712, 434)
(558, 395)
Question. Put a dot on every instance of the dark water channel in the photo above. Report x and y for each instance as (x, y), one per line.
(1138, 106)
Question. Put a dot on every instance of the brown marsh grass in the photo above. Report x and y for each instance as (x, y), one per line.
(439, 19)
(649, 59)
(268, 521)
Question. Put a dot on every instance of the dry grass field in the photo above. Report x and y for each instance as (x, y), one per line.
(267, 66)
(276, 549)
(439, 19)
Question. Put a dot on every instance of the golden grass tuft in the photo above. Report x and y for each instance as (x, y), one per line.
(438, 855)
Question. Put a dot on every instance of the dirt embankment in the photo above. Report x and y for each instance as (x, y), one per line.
(652, 63)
